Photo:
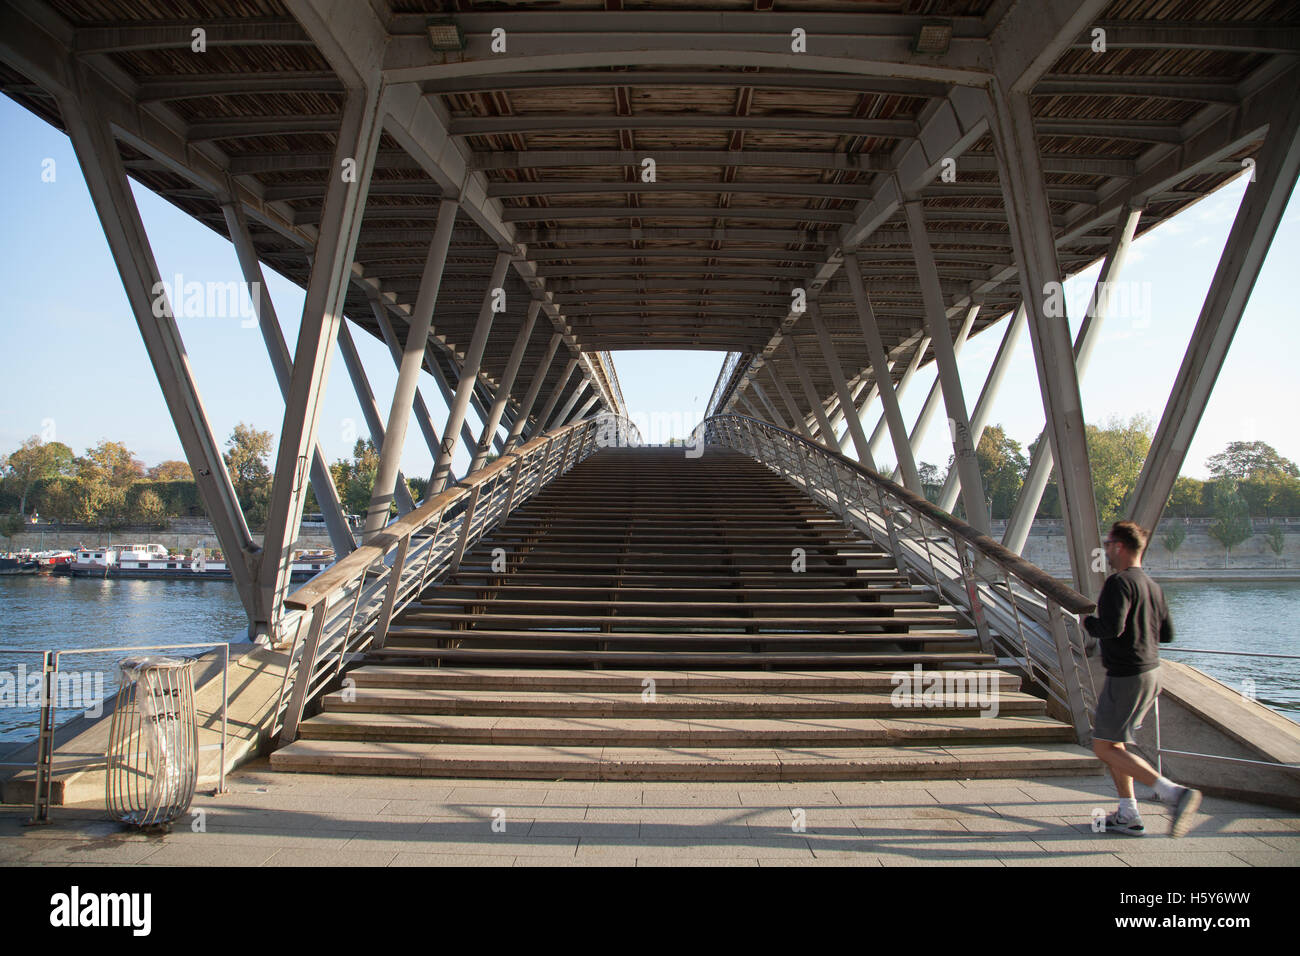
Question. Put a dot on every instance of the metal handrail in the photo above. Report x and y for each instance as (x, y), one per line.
(1018, 610)
(346, 609)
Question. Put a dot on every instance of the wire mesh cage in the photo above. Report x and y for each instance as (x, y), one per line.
(153, 754)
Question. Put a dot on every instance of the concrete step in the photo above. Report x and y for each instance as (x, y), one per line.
(426, 700)
(712, 682)
(684, 763)
(680, 732)
(552, 657)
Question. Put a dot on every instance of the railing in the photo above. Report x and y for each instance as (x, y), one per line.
(50, 697)
(1018, 610)
(346, 610)
(1161, 750)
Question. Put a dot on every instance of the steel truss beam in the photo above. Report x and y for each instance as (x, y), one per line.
(507, 383)
(358, 139)
(322, 482)
(530, 398)
(87, 126)
(1040, 465)
(408, 373)
(1243, 256)
(832, 362)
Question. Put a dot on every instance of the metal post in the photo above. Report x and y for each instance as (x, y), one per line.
(984, 405)
(369, 409)
(422, 416)
(781, 389)
(469, 374)
(530, 398)
(826, 436)
(1040, 465)
(101, 163)
(945, 359)
(562, 418)
(408, 374)
(449, 395)
(1239, 266)
(544, 415)
(322, 482)
(390, 595)
(586, 407)
(777, 418)
(909, 373)
(507, 383)
(884, 380)
(331, 270)
(1041, 291)
(836, 371)
(922, 423)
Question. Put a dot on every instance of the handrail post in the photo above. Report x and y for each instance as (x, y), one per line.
(45, 742)
(510, 495)
(467, 518)
(974, 606)
(1069, 666)
(302, 679)
(390, 596)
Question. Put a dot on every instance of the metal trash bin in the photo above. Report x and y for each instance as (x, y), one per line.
(153, 753)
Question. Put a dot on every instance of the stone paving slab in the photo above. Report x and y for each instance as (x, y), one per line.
(274, 819)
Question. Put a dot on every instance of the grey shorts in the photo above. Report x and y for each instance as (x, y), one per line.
(1122, 704)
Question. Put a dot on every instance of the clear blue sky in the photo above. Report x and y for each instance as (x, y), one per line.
(76, 369)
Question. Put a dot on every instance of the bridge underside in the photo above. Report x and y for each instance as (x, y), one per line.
(832, 197)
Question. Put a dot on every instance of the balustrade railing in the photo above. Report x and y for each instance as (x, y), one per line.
(346, 610)
(1020, 612)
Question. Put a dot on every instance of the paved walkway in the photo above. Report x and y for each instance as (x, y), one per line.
(272, 819)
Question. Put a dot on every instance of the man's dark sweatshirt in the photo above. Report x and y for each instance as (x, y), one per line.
(1131, 619)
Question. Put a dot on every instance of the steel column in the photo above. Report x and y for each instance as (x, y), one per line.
(562, 418)
(1032, 239)
(544, 416)
(1243, 256)
(370, 411)
(468, 375)
(408, 373)
(507, 383)
(984, 405)
(777, 418)
(1040, 464)
(945, 360)
(422, 416)
(448, 396)
(345, 202)
(322, 482)
(797, 416)
(101, 164)
(884, 380)
(530, 398)
(832, 360)
(909, 373)
(586, 406)
(827, 436)
(931, 403)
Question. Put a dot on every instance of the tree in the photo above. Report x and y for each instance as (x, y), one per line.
(1276, 540)
(149, 509)
(355, 478)
(1116, 451)
(110, 463)
(1173, 538)
(34, 461)
(1231, 524)
(171, 471)
(1186, 498)
(418, 488)
(10, 526)
(245, 458)
(1003, 465)
(1243, 460)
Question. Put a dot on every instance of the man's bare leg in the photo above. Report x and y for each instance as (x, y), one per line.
(1124, 766)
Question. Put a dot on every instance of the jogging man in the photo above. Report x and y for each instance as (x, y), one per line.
(1131, 621)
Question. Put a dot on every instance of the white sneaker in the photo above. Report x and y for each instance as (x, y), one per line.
(1117, 824)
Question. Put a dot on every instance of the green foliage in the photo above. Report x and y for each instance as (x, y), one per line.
(34, 461)
(1231, 525)
(1003, 465)
(109, 463)
(245, 457)
(1243, 460)
(1173, 538)
(148, 509)
(418, 487)
(1116, 452)
(10, 526)
(171, 471)
(354, 478)
(1276, 540)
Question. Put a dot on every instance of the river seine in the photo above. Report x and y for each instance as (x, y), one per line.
(43, 612)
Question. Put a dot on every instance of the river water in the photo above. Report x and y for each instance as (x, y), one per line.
(45, 612)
